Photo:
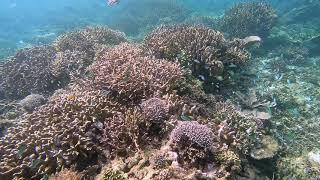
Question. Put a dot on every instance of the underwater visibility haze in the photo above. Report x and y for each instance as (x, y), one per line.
(159, 89)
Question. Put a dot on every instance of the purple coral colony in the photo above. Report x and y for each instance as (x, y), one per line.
(95, 104)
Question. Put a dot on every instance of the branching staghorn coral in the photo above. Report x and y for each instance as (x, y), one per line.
(134, 128)
(70, 62)
(132, 77)
(234, 128)
(249, 18)
(203, 50)
(28, 72)
(86, 40)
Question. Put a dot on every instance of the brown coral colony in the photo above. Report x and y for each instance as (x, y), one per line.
(121, 100)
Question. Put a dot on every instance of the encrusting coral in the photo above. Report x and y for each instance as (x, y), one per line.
(249, 18)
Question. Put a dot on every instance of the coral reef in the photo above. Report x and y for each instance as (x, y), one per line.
(85, 39)
(268, 148)
(143, 111)
(292, 55)
(155, 110)
(133, 78)
(32, 101)
(305, 166)
(54, 136)
(132, 109)
(203, 50)
(28, 72)
(67, 174)
(237, 130)
(70, 63)
(194, 143)
(249, 18)
(77, 49)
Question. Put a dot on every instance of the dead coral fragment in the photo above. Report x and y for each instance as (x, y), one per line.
(267, 149)
(247, 19)
(109, 174)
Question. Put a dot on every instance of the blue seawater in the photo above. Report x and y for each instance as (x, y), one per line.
(271, 101)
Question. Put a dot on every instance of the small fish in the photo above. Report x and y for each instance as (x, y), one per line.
(278, 77)
(186, 118)
(112, 2)
(219, 78)
(232, 65)
(202, 77)
(196, 61)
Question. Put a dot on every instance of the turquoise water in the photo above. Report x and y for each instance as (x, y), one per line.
(111, 85)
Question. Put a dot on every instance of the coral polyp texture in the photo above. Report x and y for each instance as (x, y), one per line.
(28, 72)
(155, 109)
(191, 132)
(249, 18)
(194, 144)
(133, 77)
(200, 49)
